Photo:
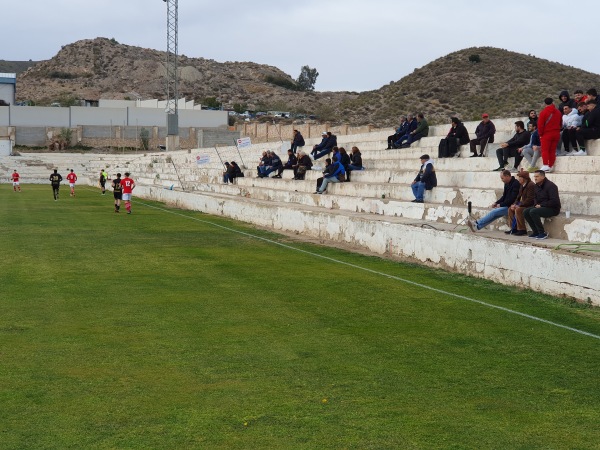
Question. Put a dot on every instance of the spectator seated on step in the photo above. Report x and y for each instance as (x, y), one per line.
(422, 130)
(335, 175)
(355, 162)
(571, 120)
(235, 171)
(425, 180)
(509, 148)
(546, 204)
(579, 96)
(303, 164)
(590, 127)
(400, 131)
(274, 164)
(226, 173)
(344, 159)
(484, 135)
(500, 206)
(265, 160)
(327, 143)
(289, 165)
(516, 219)
(327, 148)
(412, 126)
(566, 100)
(326, 171)
(457, 136)
(532, 116)
(532, 151)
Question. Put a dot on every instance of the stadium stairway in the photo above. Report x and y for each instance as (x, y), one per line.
(374, 210)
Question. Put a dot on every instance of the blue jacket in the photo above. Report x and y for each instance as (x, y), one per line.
(402, 129)
(336, 170)
(412, 126)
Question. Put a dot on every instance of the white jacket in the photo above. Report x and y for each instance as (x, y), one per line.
(572, 120)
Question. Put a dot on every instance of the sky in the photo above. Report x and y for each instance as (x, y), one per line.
(355, 45)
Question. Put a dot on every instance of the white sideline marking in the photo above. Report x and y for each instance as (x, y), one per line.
(393, 277)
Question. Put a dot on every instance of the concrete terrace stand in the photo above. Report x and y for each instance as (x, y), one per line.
(374, 212)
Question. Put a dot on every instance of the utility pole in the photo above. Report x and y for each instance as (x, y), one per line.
(171, 81)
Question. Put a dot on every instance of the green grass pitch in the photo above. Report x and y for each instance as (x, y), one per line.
(158, 330)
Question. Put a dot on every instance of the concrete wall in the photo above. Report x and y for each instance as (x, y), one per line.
(81, 115)
(212, 137)
(33, 116)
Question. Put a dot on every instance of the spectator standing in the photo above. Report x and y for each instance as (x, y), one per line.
(546, 204)
(509, 148)
(566, 100)
(297, 141)
(484, 135)
(516, 220)
(425, 180)
(549, 125)
(590, 127)
(500, 206)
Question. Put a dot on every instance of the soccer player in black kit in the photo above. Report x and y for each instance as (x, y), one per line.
(55, 180)
(117, 192)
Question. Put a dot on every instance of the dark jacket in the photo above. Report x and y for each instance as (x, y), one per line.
(511, 191)
(356, 159)
(234, 171)
(321, 145)
(298, 140)
(275, 161)
(570, 102)
(345, 159)
(291, 160)
(592, 119)
(526, 195)
(412, 126)
(485, 130)
(402, 129)
(427, 175)
(546, 195)
(519, 139)
(305, 161)
(460, 132)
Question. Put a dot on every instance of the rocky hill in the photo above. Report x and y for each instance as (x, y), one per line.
(463, 83)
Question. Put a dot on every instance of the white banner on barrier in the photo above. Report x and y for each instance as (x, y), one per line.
(244, 142)
(202, 159)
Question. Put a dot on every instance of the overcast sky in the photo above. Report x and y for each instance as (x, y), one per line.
(356, 45)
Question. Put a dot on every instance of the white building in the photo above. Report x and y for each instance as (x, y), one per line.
(8, 87)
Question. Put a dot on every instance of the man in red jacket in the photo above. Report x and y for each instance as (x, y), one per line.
(549, 125)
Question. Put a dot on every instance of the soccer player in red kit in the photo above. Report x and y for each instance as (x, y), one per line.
(72, 178)
(15, 179)
(128, 185)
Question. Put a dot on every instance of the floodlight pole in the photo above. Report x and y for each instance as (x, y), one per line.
(171, 79)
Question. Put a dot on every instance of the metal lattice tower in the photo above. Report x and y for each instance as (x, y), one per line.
(171, 66)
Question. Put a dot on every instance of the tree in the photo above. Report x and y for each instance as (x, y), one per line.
(307, 78)
(475, 58)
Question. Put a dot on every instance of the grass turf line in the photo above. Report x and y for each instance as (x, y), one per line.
(149, 331)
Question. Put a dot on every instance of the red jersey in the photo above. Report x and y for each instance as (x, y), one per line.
(15, 177)
(127, 184)
(72, 178)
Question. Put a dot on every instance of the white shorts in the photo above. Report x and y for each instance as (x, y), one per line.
(15, 183)
(126, 196)
(71, 185)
